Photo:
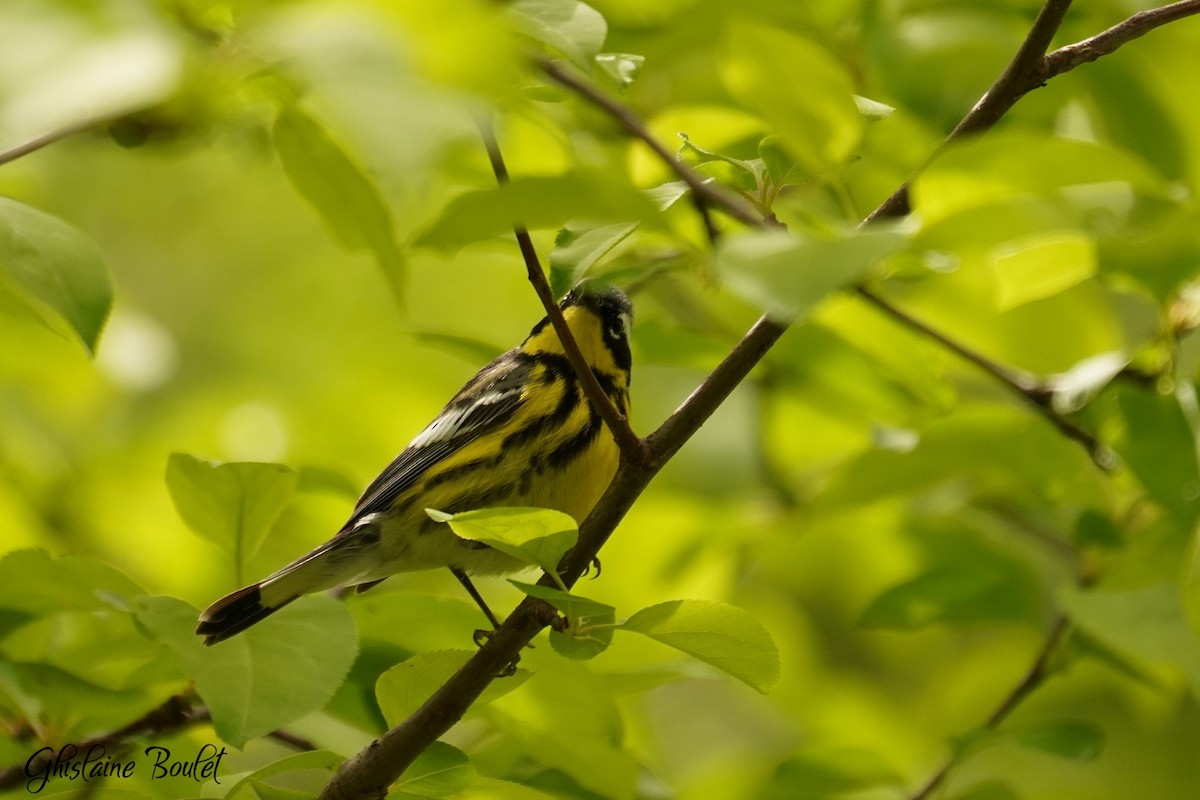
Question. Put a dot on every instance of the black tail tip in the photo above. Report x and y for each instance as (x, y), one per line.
(232, 614)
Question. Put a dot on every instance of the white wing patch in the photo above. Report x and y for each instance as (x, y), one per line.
(455, 422)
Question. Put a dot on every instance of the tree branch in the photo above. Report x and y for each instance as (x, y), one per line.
(1033, 678)
(1067, 58)
(630, 444)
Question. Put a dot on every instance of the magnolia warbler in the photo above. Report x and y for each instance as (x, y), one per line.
(520, 433)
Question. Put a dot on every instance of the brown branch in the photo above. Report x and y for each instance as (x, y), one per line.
(1071, 56)
(1033, 678)
(628, 441)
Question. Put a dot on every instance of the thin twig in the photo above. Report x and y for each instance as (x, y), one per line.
(1033, 678)
(1026, 386)
(713, 195)
(1071, 56)
(628, 441)
(50, 137)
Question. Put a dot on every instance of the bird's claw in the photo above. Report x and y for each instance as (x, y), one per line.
(594, 564)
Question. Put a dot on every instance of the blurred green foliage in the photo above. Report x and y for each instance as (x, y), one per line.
(275, 225)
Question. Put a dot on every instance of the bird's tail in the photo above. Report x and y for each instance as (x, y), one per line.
(332, 564)
(235, 612)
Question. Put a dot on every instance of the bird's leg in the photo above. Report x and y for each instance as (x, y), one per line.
(480, 636)
(476, 596)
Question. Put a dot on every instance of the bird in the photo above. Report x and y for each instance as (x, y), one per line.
(522, 432)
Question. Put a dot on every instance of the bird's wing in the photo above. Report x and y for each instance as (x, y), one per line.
(485, 403)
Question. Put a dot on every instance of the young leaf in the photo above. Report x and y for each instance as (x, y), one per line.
(788, 274)
(572, 28)
(232, 505)
(347, 200)
(591, 623)
(1078, 741)
(578, 246)
(872, 110)
(538, 536)
(53, 272)
(405, 687)
(724, 636)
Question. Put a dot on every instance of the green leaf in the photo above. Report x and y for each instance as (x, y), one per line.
(591, 623)
(724, 636)
(788, 274)
(1074, 740)
(816, 114)
(314, 759)
(284, 667)
(32, 582)
(984, 170)
(440, 771)
(232, 505)
(578, 246)
(405, 687)
(538, 536)
(872, 110)
(574, 29)
(52, 272)
(1158, 444)
(1041, 265)
(962, 592)
(536, 202)
(1147, 626)
(348, 201)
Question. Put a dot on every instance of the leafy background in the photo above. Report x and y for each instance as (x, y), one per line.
(289, 207)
